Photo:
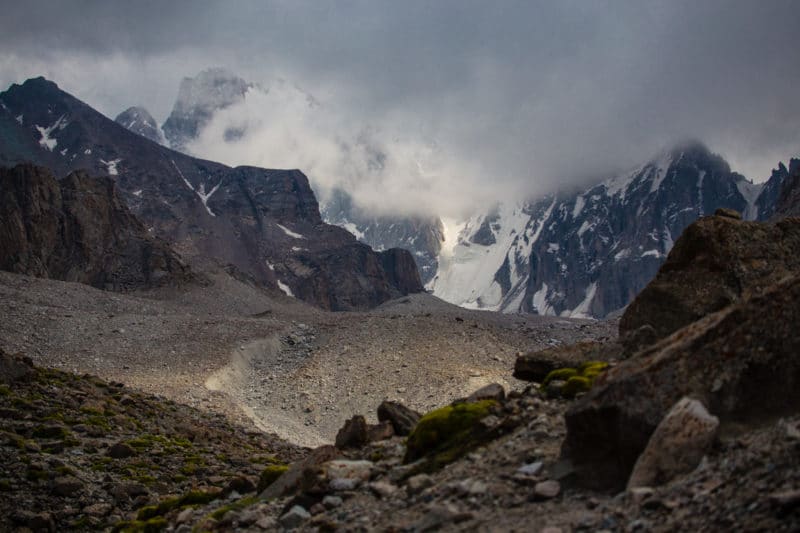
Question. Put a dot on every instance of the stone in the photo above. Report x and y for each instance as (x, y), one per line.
(531, 469)
(98, 509)
(350, 469)
(332, 502)
(788, 499)
(184, 516)
(534, 366)
(380, 431)
(418, 483)
(401, 417)
(34, 521)
(717, 261)
(292, 480)
(240, 484)
(677, 445)
(640, 494)
(294, 518)
(343, 484)
(493, 391)
(67, 486)
(127, 491)
(546, 490)
(728, 213)
(267, 523)
(739, 362)
(383, 489)
(120, 450)
(354, 433)
(14, 368)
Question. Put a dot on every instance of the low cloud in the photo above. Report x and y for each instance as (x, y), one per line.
(468, 101)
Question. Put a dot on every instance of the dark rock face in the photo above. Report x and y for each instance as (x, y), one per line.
(266, 223)
(740, 362)
(78, 230)
(716, 262)
(767, 201)
(139, 121)
(422, 236)
(788, 201)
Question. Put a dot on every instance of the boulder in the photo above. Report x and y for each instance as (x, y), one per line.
(677, 445)
(14, 368)
(535, 366)
(354, 433)
(493, 391)
(740, 362)
(380, 431)
(717, 261)
(293, 479)
(401, 417)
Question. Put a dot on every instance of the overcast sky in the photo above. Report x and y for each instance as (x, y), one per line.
(530, 94)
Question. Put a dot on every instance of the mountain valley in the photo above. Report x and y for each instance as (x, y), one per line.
(188, 346)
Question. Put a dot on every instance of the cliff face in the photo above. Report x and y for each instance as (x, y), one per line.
(79, 230)
(788, 200)
(264, 222)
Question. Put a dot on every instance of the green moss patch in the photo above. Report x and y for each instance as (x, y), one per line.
(578, 380)
(153, 525)
(447, 433)
(238, 505)
(270, 474)
(170, 504)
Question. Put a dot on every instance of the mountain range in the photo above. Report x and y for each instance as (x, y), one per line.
(588, 253)
(266, 223)
(583, 253)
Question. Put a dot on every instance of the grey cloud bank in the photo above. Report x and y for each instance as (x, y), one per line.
(518, 97)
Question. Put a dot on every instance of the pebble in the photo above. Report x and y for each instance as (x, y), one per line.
(296, 516)
(546, 489)
(531, 469)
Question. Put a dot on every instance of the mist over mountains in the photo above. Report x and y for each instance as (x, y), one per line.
(577, 251)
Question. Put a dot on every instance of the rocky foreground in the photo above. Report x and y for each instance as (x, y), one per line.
(690, 424)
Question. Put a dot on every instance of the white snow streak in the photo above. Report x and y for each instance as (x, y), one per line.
(290, 233)
(285, 288)
(200, 193)
(582, 311)
(579, 203)
(49, 142)
(111, 166)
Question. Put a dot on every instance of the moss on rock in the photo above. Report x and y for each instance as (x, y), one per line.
(270, 474)
(447, 433)
(576, 385)
(559, 374)
(578, 380)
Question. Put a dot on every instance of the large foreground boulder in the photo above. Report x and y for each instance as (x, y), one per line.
(741, 362)
(717, 261)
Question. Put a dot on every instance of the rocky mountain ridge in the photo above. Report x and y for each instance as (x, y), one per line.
(264, 222)
(214, 90)
(139, 120)
(588, 253)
